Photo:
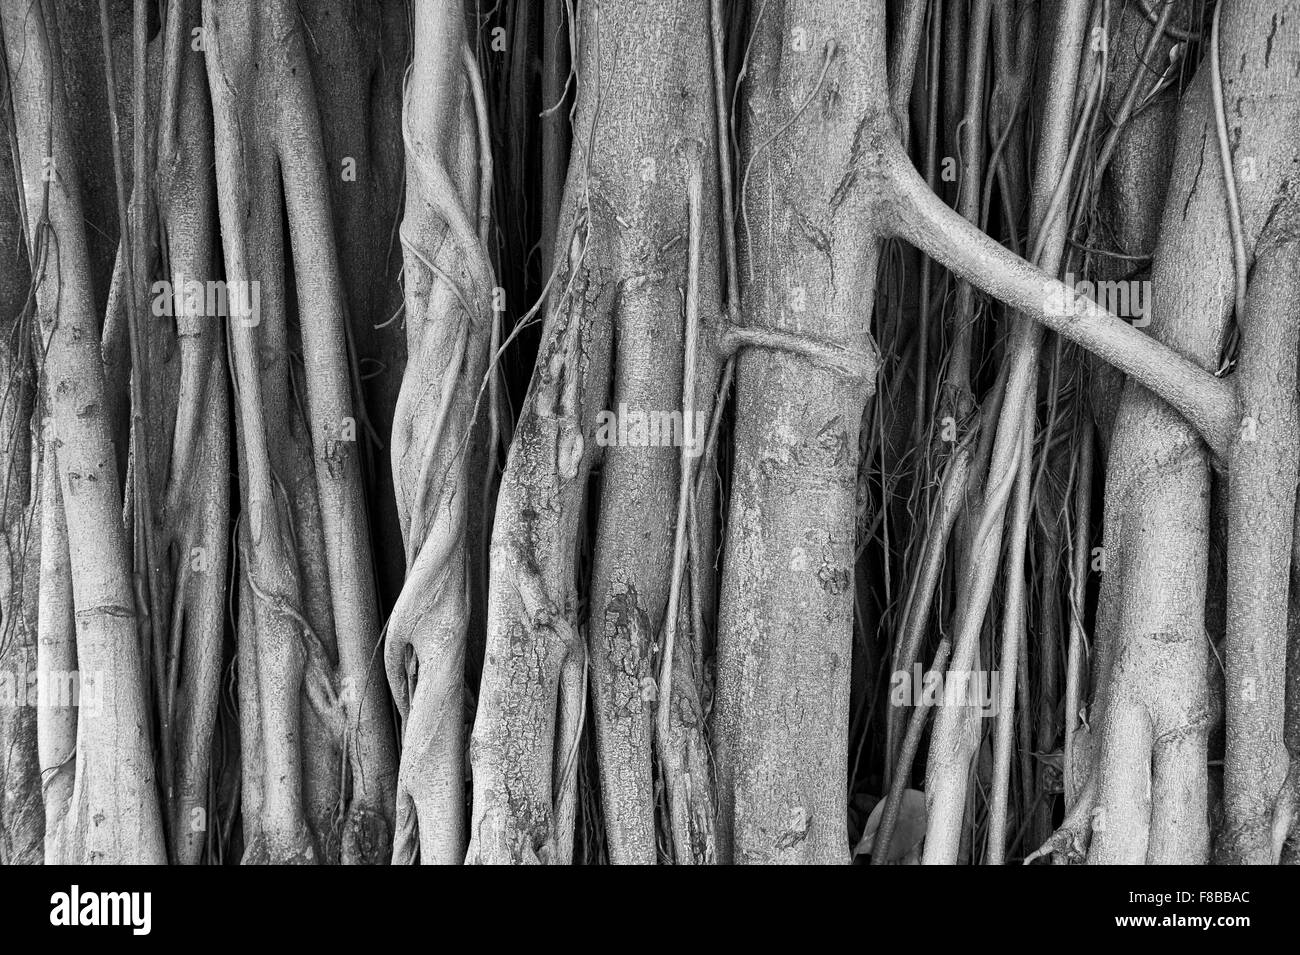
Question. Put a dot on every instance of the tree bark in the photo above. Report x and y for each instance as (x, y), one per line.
(817, 114)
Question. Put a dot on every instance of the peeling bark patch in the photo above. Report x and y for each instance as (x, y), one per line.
(834, 440)
(534, 830)
(626, 630)
(851, 174)
(814, 235)
(831, 99)
(106, 610)
(1198, 723)
(1197, 178)
(336, 456)
(799, 825)
(834, 580)
(1168, 636)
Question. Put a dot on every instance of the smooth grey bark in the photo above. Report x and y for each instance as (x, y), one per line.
(815, 115)
(1261, 492)
(518, 759)
(619, 287)
(268, 146)
(1152, 774)
(641, 162)
(1261, 94)
(22, 813)
(357, 55)
(957, 730)
(191, 444)
(1134, 180)
(114, 801)
(449, 295)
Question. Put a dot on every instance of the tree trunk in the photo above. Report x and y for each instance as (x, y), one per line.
(808, 243)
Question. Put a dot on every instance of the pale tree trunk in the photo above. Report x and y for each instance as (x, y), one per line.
(281, 282)
(195, 485)
(56, 658)
(113, 800)
(816, 115)
(1261, 91)
(1152, 764)
(956, 731)
(450, 291)
(317, 623)
(620, 280)
(22, 813)
(643, 163)
(357, 54)
(1133, 169)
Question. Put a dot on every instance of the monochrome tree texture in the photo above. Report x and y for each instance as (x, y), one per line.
(683, 431)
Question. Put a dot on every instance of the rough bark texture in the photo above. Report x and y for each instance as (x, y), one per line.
(192, 471)
(449, 289)
(113, 799)
(22, 814)
(766, 317)
(811, 131)
(1261, 92)
(269, 149)
(1152, 795)
(641, 165)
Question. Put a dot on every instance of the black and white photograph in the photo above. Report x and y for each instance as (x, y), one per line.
(652, 432)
